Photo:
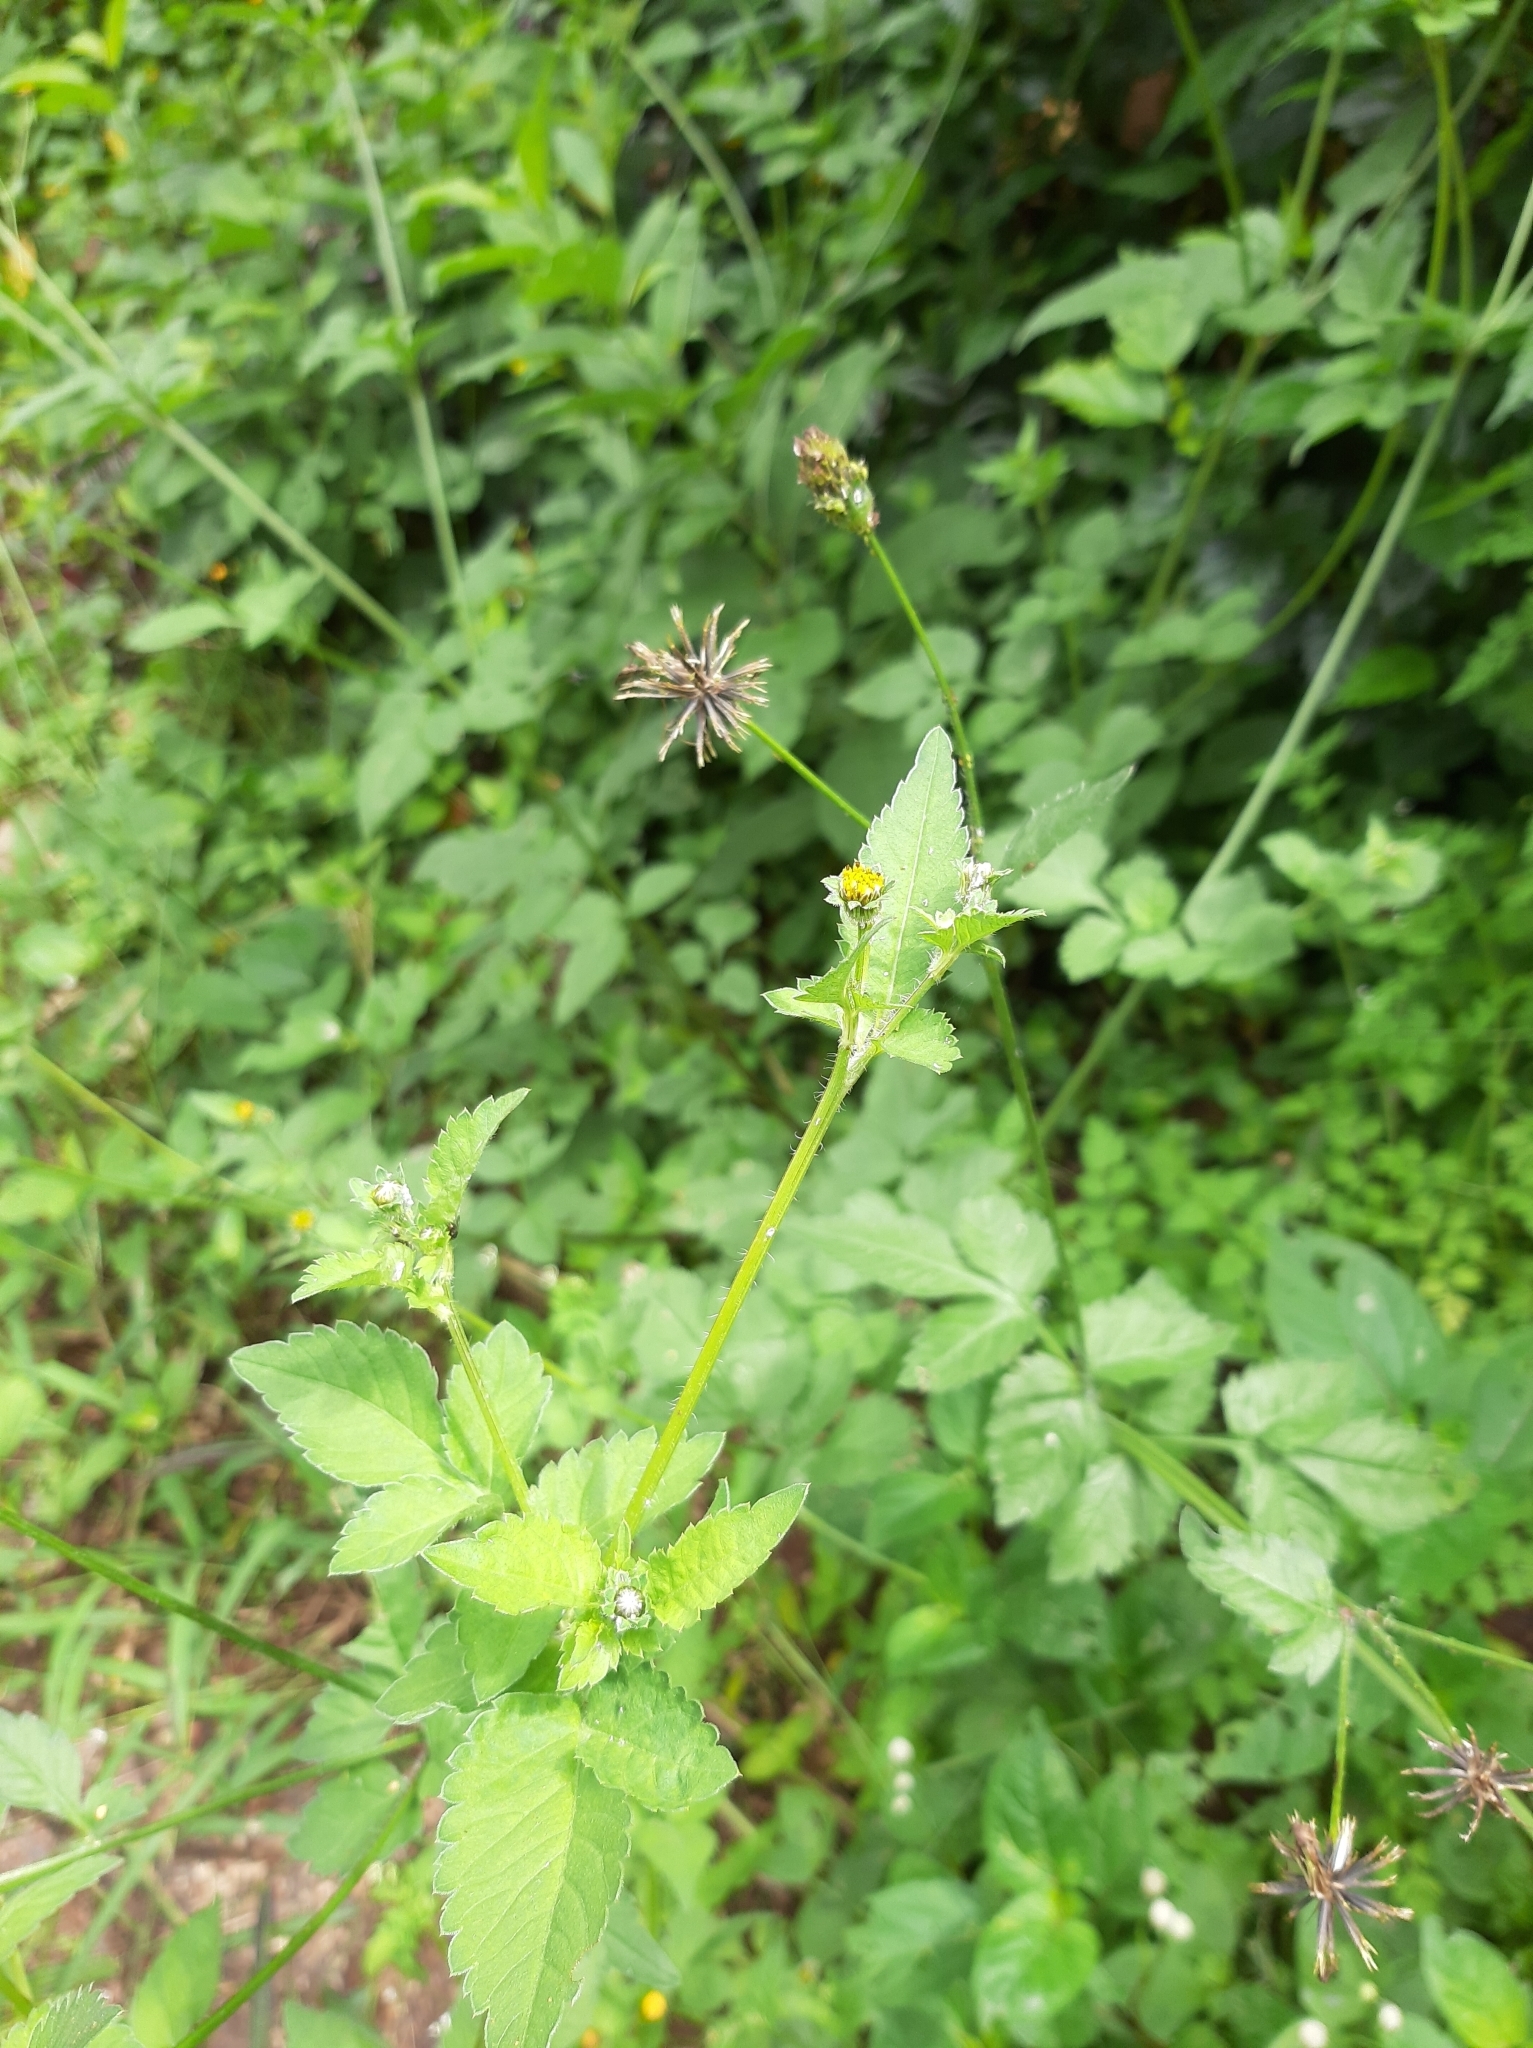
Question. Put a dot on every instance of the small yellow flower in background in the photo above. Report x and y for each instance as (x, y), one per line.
(218, 573)
(18, 267)
(590, 2038)
(653, 2006)
(115, 145)
(244, 1111)
(302, 1219)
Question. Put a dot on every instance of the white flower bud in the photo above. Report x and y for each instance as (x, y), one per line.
(1162, 1915)
(1313, 2034)
(1182, 1927)
(904, 1781)
(900, 1750)
(900, 1804)
(1152, 1882)
(1391, 2019)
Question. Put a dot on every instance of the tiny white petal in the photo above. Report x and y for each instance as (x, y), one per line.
(900, 1750)
(1313, 2034)
(1391, 2019)
(1152, 1882)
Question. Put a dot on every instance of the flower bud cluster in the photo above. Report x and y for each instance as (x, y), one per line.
(1163, 1915)
(837, 484)
(901, 1752)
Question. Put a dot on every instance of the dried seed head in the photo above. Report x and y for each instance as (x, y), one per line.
(700, 680)
(1472, 1777)
(1342, 1885)
(838, 486)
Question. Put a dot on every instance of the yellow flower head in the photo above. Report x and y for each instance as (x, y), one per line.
(856, 889)
(653, 2006)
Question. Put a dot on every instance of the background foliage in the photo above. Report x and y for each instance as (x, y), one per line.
(285, 886)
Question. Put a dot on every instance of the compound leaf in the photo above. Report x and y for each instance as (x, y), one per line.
(706, 1562)
(1281, 1586)
(1149, 1333)
(532, 1849)
(359, 1403)
(522, 1563)
(644, 1736)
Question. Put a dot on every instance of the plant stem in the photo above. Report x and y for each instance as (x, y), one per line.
(306, 1933)
(1103, 1039)
(658, 90)
(188, 1816)
(831, 1098)
(1149, 1452)
(1155, 596)
(1504, 1659)
(1314, 141)
(399, 306)
(1403, 1680)
(104, 1568)
(1230, 178)
(10, 575)
(802, 768)
(14, 1993)
(1343, 1705)
(829, 1533)
(460, 1344)
(1340, 645)
(954, 716)
(1351, 526)
(202, 455)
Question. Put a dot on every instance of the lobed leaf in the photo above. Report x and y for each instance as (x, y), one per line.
(642, 1735)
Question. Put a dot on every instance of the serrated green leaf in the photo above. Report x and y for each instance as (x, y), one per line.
(458, 1151)
(340, 1269)
(1097, 1530)
(591, 1486)
(1474, 1987)
(1010, 1244)
(1084, 807)
(523, 1563)
(181, 1984)
(706, 1562)
(434, 1677)
(517, 1389)
(498, 1648)
(633, 1951)
(359, 1403)
(39, 1767)
(912, 1255)
(23, 1911)
(532, 1849)
(80, 2019)
(1149, 1333)
(589, 1651)
(1388, 1476)
(1281, 1586)
(924, 1038)
(643, 1736)
(339, 1821)
(963, 1343)
(1294, 1407)
(1032, 1960)
(916, 843)
(397, 1523)
(1041, 1436)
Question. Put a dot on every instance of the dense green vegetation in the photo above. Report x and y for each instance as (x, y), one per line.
(371, 379)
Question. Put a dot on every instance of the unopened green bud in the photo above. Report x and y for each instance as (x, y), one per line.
(838, 486)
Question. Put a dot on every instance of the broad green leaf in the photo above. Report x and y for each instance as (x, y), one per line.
(906, 1924)
(1031, 1962)
(181, 1984)
(80, 2019)
(23, 1911)
(498, 1648)
(523, 1563)
(1101, 392)
(916, 843)
(1040, 1438)
(1092, 946)
(342, 1817)
(334, 2027)
(1295, 1407)
(963, 1343)
(458, 1151)
(1388, 1476)
(643, 1736)
(397, 1523)
(591, 1486)
(1033, 1802)
(1083, 808)
(1066, 880)
(924, 1038)
(178, 626)
(1097, 1530)
(360, 1403)
(1149, 1333)
(517, 1389)
(589, 1651)
(532, 1849)
(909, 1255)
(39, 1767)
(1281, 1586)
(1388, 1324)
(1474, 1988)
(1011, 1244)
(434, 1677)
(633, 1951)
(707, 1561)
